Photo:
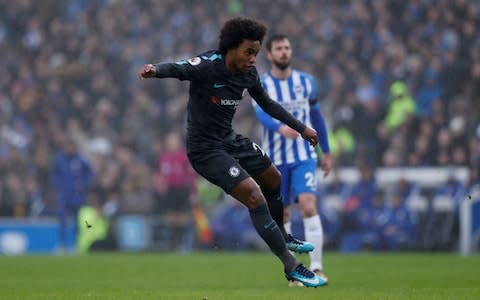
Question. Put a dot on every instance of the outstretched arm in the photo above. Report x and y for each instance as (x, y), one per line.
(183, 70)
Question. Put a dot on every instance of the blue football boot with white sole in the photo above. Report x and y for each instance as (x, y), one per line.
(298, 246)
(305, 276)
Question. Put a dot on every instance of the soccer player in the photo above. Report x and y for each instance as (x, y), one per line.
(218, 80)
(295, 91)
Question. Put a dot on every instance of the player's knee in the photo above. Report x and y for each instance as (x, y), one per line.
(286, 215)
(276, 179)
(308, 204)
(271, 180)
(255, 198)
(309, 211)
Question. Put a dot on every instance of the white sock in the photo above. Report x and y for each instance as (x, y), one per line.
(314, 235)
(288, 227)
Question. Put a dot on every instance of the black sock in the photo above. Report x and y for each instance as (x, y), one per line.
(275, 205)
(270, 233)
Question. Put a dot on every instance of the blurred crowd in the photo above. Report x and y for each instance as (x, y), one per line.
(368, 215)
(399, 85)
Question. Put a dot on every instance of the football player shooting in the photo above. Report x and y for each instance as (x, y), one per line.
(240, 167)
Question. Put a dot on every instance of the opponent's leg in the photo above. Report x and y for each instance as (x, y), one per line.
(313, 230)
(304, 187)
(270, 181)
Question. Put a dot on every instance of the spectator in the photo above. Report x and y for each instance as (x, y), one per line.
(72, 177)
(429, 92)
(93, 227)
(399, 228)
(401, 105)
(366, 224)
(14, 197)
(177, 177)
(179, 185)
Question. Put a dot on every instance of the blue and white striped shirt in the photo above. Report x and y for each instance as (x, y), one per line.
(296, 94)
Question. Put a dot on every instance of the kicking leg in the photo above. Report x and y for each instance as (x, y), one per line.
(269, 182)
(249, 193)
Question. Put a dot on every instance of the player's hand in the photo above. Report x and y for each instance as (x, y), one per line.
(148, 71)
(288, 132)
(310, 135)
(326, 164)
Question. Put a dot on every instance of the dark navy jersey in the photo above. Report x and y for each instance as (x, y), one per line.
(215, 94)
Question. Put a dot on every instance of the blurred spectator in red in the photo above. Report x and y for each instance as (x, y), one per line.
(176, 183)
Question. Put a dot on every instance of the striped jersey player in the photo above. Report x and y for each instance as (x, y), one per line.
(298, 95)
(296, 160)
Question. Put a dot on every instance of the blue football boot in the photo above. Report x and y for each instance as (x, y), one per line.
(305, 276)
(298, 246)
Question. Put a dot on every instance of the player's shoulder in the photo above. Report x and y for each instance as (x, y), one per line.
(265, 76)
(306, 75)
(211, 56)
(202, 60)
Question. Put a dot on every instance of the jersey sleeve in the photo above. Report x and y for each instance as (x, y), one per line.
(187, 69)
(316, 117)
(273, 108)
(314, 93)
(266, 120)
(318, 123)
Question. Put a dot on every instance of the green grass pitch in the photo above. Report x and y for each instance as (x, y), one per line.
(233, 276)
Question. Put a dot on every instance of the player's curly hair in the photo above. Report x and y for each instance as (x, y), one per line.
(236, 30)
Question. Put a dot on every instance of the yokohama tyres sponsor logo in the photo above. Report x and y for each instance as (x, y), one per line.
(230, 102)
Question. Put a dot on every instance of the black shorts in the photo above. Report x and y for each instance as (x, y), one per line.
(235, 159)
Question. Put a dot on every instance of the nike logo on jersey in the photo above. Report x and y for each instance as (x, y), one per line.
(218, 85)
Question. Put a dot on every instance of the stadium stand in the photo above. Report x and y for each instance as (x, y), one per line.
(68, 69)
